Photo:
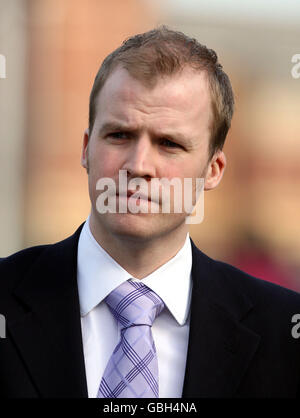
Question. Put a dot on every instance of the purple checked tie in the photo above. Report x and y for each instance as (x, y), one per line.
(132, 370)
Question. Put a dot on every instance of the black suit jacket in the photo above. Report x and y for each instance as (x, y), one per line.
(240, 342)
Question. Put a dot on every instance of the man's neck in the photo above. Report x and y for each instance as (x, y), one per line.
(137, 256)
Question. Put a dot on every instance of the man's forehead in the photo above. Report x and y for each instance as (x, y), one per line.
(182, 86)
(179, 104)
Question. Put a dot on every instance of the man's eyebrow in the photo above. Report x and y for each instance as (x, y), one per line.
(176, 136)
(118, 126)
(112, 127)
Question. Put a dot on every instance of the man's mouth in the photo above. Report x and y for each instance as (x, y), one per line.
(138, 195)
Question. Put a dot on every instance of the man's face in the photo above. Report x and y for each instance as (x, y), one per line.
(158, 132)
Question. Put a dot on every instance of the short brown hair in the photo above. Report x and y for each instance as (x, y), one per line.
(164, 52)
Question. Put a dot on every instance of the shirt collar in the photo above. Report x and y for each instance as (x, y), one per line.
(98, 274)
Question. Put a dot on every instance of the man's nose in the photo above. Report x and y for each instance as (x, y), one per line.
(140, 160)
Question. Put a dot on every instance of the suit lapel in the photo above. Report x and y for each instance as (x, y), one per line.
(48, 332)
(220, 346)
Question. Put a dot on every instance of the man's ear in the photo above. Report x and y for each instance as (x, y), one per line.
(215, 170)
(84, 154)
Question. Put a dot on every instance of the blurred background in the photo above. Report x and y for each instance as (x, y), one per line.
(51, 51)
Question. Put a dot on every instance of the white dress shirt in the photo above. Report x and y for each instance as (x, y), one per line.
(98, 274)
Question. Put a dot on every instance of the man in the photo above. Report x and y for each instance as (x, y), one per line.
(160, 107)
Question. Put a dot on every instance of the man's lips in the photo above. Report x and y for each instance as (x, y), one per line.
(138, 194)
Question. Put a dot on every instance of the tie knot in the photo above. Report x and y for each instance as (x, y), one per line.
(134, 303)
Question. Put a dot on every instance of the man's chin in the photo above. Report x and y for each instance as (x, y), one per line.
(138, 227)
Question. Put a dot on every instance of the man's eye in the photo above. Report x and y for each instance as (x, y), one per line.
(169, 144)
(119, 135)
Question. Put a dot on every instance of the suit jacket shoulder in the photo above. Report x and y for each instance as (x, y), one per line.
(42, 354)
(241, 336)
(239, 285)
(13, 267)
